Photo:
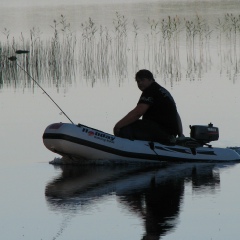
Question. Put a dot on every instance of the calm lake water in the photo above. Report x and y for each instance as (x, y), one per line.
(88, 68)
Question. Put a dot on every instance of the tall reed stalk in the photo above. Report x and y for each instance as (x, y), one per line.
(120, 46)
(168, 47)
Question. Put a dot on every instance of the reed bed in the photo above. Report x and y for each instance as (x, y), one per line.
(170, 47)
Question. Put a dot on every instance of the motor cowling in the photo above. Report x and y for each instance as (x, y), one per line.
(204, 134)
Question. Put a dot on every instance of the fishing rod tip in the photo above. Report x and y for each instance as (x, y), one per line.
(12, 58)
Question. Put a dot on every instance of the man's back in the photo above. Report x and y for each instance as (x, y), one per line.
(162, 108)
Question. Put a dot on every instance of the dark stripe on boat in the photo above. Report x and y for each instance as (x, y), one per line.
(130, 154)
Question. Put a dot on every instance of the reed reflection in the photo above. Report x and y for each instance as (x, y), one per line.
(172, 47)
(154, 194)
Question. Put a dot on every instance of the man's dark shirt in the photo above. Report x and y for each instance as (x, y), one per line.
(162, 107)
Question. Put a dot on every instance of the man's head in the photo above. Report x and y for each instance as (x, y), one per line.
(144, 79)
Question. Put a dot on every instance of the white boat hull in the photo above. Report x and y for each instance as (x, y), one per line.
(83, 143)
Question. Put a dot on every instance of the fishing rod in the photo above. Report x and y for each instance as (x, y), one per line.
(14, 59)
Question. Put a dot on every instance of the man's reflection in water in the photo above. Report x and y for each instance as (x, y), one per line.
(158, 205)
(156, 200)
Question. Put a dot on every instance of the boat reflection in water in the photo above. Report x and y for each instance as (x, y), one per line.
(154, 194)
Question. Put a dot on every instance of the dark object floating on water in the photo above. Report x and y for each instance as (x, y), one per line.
(12, 58)
(21, 51)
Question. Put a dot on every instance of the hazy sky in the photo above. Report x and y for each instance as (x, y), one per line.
(24, 3)
(12, 3)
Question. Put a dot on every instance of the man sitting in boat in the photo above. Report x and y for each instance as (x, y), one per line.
(160, 120)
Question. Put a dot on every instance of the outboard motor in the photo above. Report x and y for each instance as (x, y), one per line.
(204, 134)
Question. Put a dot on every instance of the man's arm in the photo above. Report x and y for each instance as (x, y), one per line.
(131, 117)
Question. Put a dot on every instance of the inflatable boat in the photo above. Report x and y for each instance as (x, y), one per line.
(83, 144)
